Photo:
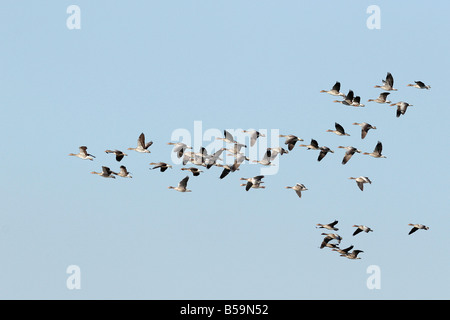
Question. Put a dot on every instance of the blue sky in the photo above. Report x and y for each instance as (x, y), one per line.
(158, 66)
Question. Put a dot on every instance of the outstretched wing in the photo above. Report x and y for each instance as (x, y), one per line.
(183, 183)
(378, 147)
(339, 127)
(390, 79)
(357, 231)
(337, 86)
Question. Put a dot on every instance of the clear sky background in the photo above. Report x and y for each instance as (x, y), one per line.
(158, 66)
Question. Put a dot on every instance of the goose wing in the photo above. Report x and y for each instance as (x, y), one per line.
(183, 183)
(378, 148)
(336, 87)
(339, 128)
(389, 79)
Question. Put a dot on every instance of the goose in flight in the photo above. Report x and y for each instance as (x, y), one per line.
(388, 84)
(254, 135)
(419, 85)
(348, 99)
(255, 186)
(298, 188)
(417, 227)
(252, 181)
(266, 160)
(277, 151)
(211, 159)
(352, 255)
(123, 173)
(236, 148)
(182, 185)
(83, 154)
(106, 173)
(339, 130)
(141, 145)
(343, 251)
(361, 228)
(162, 166)
(334, 90)
(357, 102)
(326, 243)
(360, 181)
(179, 148)
(119, 154)
(195, 171)
(231, 168)
(365, 127)
(329, 226)
(291, 140)
(334, 236)
(381, 98)
(401, 107)
(376, 151)
(349, 153)
(228, 137)
(323, 152)
(312, 145)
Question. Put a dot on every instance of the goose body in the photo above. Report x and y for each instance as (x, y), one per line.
(252, 181)
(348, 99)
(182, 185)
(357, 102)
(254, 135)
(339, 130)
(361, 228)
(298, 188)
(334, 90)
(179, 148)
(142, 146)
(349, 153)
(195, 171)
(228, 137)
(360, 181)
(290, 141)
(83, 154)
(162, 166)
(106, 173)
(365, 127)
(119, 154)
(352, 255)
(266, 160)
(343, 251)
(416, 227)
(323, 152)
(313, 145)
(376, 153)
(329, 226)
(388, 84)
(401, 107)
(382, 98)
(419, 85)
(123, 173)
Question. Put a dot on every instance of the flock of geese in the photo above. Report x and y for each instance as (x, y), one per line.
(204, 160)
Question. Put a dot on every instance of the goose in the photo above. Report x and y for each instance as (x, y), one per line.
(360, 181)
(182, 185)
(253, 136)
(188, 156)
(333, 236)
(388, 84)
(334, 90)
(323, 152)
(252, 181)
(339, 130)
(211, 159)
(417, 227)
(348, 99)
(123, 173)
(419, 85)
(365, 127)
(352, 255)
(277, 151)
(376, 151)
(343, 251)
(401, 107)
(291, 140)
(361, 228)
(349, 153)
(326, 243)
(162, 166)
(195, 171)
(357, 102)
(179, 148)
(298, 188)
(312, 145)
(119, 154)
(266, 159)
(231, 168)
(83, 154)
(106, 173)
(228, 137)
(141, 145)
(329, 226)
(381, 98)
(255, 186)
(236, 148)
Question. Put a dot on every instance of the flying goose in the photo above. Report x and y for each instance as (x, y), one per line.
(326, 243)
(253, 136)
(417, 227)
(313, 145)
(228, 137)
(360, 181)
(339, 130)
(255, 186)
(182, 185)
(376, 151)
(349, 153)
(381, 98)
(334, 90)
(388, 84)
(179, 148)
(277, 151)
(123, 173)
(348, 99)
(141, 145)
(106, 173)
(334, 236)
(252, 181)
(162, 166)
(357, 102)
(365, 127)
(298, 188)
(352, 255)
(343, 251)
(361, 228)
(401, 107)
(195, 171)
(291, 140)
(119, 154)
(231, 168)
(323, 152)
(83, 154)
(266, 160)
(236, 148)
(419, 85)
(211, 159)
(329, 226)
